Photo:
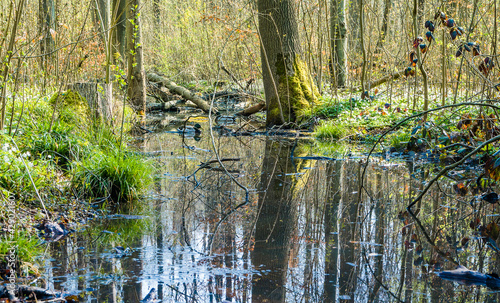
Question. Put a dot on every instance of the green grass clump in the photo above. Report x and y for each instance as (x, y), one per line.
(331, 130)
(60, 146)
(331, 109)
(399, 139)
(113, 175)
(26, 247)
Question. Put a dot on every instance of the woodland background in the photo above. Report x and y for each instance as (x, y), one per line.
(190, 40)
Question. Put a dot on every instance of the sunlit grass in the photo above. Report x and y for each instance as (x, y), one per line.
(331, 130)
(117, 176)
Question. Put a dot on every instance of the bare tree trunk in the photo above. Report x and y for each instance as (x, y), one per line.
(363, 48)
(353, 24)
(101, 17)
(135, 68)
(338, 41)
(495, 29)
(419, 55)
(47, 24)
(99, 99)
(7, 56)
(383, 29)
(119, 24)
(288, 85)
(443, 69)
(420, 12)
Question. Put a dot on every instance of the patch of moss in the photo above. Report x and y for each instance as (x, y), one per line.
(70, 103)
(296, 91)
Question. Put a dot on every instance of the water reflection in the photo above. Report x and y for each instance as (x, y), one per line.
(306, 234)
(276, 222)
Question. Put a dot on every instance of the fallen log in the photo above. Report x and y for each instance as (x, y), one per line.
(252, 109)
(393, 76)
(179, 90)
(170, 105)
(156, 92)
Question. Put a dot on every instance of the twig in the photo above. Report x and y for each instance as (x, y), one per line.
(450, 167)
(223, 67)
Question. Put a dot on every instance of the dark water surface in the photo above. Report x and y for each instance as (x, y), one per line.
(305, 234)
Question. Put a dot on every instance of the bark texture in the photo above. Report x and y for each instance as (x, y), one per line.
(363, 48)
(47, 23)
(338, 41)
(417, 16)
(119, 25)
(383, 28)
(99, 99)
(102, 17)
(136, 75)
(288, 86)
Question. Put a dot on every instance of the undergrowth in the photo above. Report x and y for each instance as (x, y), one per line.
(355, 119)
(77, 161)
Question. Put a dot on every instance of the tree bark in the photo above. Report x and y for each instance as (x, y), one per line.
(99, 99)
(419, 56)
(393, 76)
(385, 20)
(252, 109)
(101, 17)
(338, 41)
(288, 85)
(364, 87)
(47, 24)
(119, 24)
(136, 75)
(7, 57)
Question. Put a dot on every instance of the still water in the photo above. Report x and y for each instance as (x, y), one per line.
(277, 222)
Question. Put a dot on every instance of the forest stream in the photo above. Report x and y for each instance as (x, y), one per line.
(278, 223)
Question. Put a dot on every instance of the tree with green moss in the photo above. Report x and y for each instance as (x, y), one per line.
(288, 85)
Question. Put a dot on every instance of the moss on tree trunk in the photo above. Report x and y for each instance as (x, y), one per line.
(289, 89)
(296, 93)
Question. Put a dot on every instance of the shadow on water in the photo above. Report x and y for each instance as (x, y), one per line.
(306, 234)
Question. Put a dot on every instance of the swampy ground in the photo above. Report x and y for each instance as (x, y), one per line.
(283, 219)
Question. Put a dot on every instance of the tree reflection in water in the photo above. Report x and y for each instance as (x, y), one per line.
(303, 236)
